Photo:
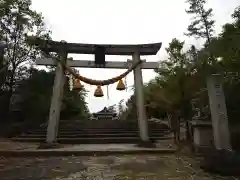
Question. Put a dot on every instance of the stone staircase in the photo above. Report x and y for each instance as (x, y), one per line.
(97, 132)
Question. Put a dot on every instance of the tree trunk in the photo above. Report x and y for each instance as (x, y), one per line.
(175, 126)
(188, 133)
(10, 93)
(177, 129)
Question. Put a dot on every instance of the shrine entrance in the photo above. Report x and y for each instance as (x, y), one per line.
(104, 114)
(66, 65)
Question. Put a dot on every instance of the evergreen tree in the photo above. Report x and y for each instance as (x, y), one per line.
(202, 25)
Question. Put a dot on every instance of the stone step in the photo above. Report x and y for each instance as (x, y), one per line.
(117, 129)
(92, 129)
(99, 130)
(101, 140)
(106, 122)
(94, 135)
(110, 125)
(92, 132)
(99, 122)
(111, 131)
(88, 135)
(95, 123)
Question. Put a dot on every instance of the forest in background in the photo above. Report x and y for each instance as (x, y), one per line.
(25, 92)
(182, 77)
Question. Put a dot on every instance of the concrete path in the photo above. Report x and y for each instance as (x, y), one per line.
(10, 148)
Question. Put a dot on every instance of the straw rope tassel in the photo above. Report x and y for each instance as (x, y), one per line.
(70, 82)
(107, 92)
(125, 82)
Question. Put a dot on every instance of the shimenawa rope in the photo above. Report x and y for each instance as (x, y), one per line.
(99, 82)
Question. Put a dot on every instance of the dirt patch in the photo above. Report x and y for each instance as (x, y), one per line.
(38, 168)
(139, 165)
(105, 160)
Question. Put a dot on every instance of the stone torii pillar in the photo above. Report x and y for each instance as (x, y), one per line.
(57, 94)
(141, 110)
(56, 102)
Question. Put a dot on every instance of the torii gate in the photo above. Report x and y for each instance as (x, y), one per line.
(100, 51)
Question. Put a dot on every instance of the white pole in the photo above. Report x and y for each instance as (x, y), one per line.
(56, 101)
(141, 111)
(218, 112)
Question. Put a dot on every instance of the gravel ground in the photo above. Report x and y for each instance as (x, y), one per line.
(131, 167)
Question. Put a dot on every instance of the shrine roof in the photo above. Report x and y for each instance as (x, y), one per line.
(104, 111)
(110, 49)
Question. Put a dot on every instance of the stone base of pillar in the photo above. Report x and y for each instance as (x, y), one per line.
(46, 145)
(202, 150)
(146, 144)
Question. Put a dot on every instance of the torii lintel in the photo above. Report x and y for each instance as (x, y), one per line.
(110, 49)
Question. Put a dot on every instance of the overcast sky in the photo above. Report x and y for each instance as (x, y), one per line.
(122, 22)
